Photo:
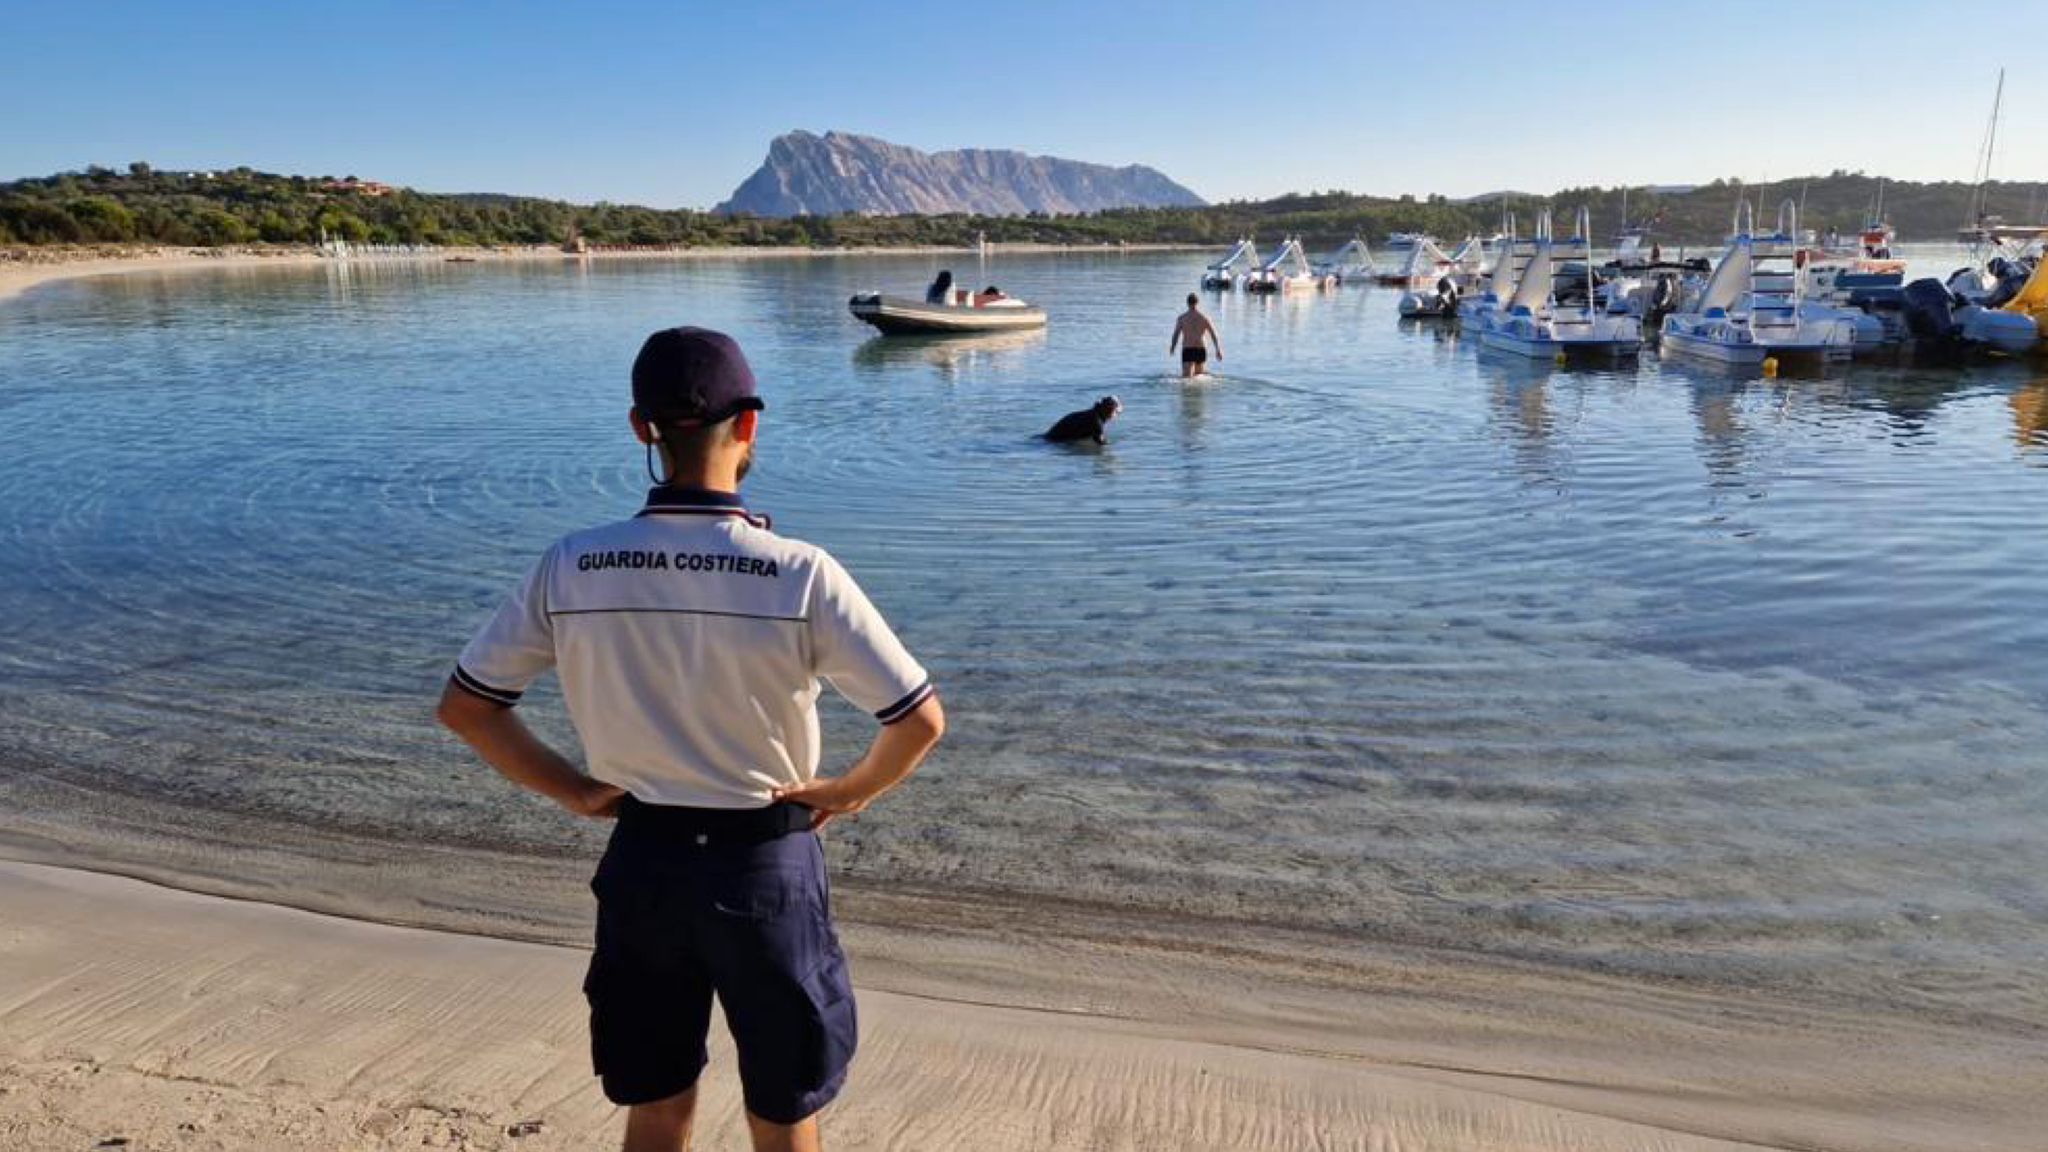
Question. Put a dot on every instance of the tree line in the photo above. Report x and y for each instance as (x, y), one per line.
(243, 206)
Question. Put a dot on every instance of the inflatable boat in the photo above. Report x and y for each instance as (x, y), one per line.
(903, 315)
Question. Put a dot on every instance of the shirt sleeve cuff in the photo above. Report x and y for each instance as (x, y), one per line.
(907, 705)
(503, 697)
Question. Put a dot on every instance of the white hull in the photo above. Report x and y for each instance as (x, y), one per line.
(1688, 344)
(1575, 341)
(1729, 344)
(902, 315)
(1425, 305)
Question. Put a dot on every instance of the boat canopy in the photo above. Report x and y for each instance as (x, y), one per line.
(1246, 253)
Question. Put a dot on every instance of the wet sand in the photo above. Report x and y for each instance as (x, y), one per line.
(184, 1021)
(130, 1004)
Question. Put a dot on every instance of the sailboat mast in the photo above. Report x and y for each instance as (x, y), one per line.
(1990, 147)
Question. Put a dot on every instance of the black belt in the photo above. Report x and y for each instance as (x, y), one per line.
(722, 825)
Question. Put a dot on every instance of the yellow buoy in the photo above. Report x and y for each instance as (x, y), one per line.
(1771, 366)
(1560, 359)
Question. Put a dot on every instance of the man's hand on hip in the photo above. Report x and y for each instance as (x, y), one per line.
(595, 799)
(897, 749)
(828, 797)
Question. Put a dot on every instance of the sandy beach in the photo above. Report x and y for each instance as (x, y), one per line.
(172, 1020)
(24, 268)
(180, 1020)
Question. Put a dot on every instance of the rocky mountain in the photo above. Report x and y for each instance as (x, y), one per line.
(808, 174)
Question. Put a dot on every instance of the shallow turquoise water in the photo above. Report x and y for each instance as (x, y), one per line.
(1656, 666)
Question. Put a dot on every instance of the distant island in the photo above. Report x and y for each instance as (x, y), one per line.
(841, 173)
(239, 206)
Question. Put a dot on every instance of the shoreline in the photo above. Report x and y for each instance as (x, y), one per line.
(24, 268)
(1745, 1067)
(156, 1014)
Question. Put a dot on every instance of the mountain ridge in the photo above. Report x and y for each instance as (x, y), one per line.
(806, 174)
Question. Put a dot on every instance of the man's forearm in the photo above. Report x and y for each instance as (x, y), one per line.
(503, 741)
(897, 750)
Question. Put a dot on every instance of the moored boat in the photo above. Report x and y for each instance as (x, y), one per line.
(901, 315)
(1467, 274)
(1228, 272)
(1424, 264)
(2031, 301)
(1752, 308)
(1555, 310)
(1351, 264)
(1288, 271)
(1511, 256)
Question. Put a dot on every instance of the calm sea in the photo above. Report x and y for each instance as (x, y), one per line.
(1656, 667)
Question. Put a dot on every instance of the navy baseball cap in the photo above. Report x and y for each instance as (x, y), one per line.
(692, 376)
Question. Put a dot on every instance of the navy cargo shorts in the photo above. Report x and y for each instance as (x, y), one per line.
(693, 903)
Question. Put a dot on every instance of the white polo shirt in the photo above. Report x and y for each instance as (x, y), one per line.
(690, 641)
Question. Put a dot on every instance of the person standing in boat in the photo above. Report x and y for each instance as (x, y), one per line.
(1191, 334)
(941, 291)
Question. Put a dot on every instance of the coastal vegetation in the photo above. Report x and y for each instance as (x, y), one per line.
(142, 205)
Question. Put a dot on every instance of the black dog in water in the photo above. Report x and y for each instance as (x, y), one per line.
(1087, 424)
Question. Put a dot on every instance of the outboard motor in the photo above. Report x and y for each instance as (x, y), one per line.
(1447, 296)
(2012, 276)
(1929, 309)
(1663, 299)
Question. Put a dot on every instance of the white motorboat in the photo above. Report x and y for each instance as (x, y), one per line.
(1288, 271)
(1631, 250)
(1750, 309)
(1403, 241)
(1554, 310)
(904, 315)
(1226, 273)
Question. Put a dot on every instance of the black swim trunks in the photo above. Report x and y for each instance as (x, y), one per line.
(682, 916)
(1194, 355)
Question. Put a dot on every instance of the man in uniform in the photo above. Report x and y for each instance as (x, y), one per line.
(1191, 334)
(690, 641)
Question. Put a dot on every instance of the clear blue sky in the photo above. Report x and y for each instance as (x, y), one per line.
(673, 104)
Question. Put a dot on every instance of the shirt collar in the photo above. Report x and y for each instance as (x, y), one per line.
(669, 500)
